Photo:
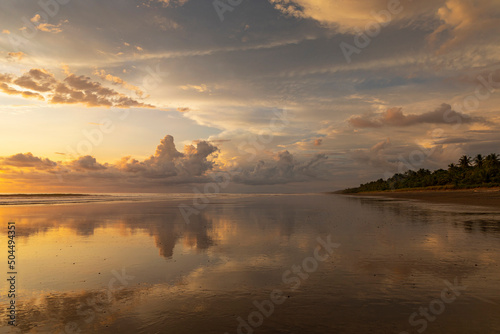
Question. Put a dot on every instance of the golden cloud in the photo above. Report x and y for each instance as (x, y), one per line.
(37, 24)
(349, 15)
(74, 89)
(118, 81)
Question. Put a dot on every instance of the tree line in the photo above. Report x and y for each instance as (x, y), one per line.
(480, 171)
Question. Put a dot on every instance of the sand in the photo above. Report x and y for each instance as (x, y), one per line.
(479, 197)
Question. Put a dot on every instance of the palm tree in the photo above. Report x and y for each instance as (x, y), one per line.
(464, 162)
(486, 170)
(478, 161)
(492, 160)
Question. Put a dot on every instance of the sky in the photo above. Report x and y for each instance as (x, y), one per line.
(242, 96)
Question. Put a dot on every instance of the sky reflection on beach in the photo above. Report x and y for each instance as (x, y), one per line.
(199, 277)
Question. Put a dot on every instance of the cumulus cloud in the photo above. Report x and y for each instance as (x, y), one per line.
(26, 94)
(87, 163)
(396, 118)
(167, 162)
(166, 166)
(170, 165)
(36, 79)
(41, 84)
(6, 79)
(284, 169)
(27, 160)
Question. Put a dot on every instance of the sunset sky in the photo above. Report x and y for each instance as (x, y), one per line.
(285, 95)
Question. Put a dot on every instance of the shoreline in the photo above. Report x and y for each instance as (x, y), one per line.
(488, 197)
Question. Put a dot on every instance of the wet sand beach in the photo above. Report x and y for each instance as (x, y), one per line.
(489, 197)
(254, 264)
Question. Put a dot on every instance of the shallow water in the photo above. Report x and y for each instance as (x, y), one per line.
(138, 267)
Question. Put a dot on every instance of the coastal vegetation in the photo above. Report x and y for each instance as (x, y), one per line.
(480, 171)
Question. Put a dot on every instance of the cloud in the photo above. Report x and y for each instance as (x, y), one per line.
(450, 22)
(174, 3)
(463, 20)
(166, 166)
(169, 165)
(284, 169)
(66, 69)
(199, 88)
(38, 80)
(135, 47)
(27, 160)
(72, 90)
(456, 140)
(87, 163)
(165, 24)
(36, 18)
(376, 157)
(381, 145)
(52, 28)
(167, 161)
(318, 142)
(15, 55)
(346, 16)
(118, 81)
(5, 31)
(24, 93)
(5, 78)
(396, 118)
(183, 109)
(36, 23)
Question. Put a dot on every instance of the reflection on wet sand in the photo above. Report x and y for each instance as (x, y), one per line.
(139, 268)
